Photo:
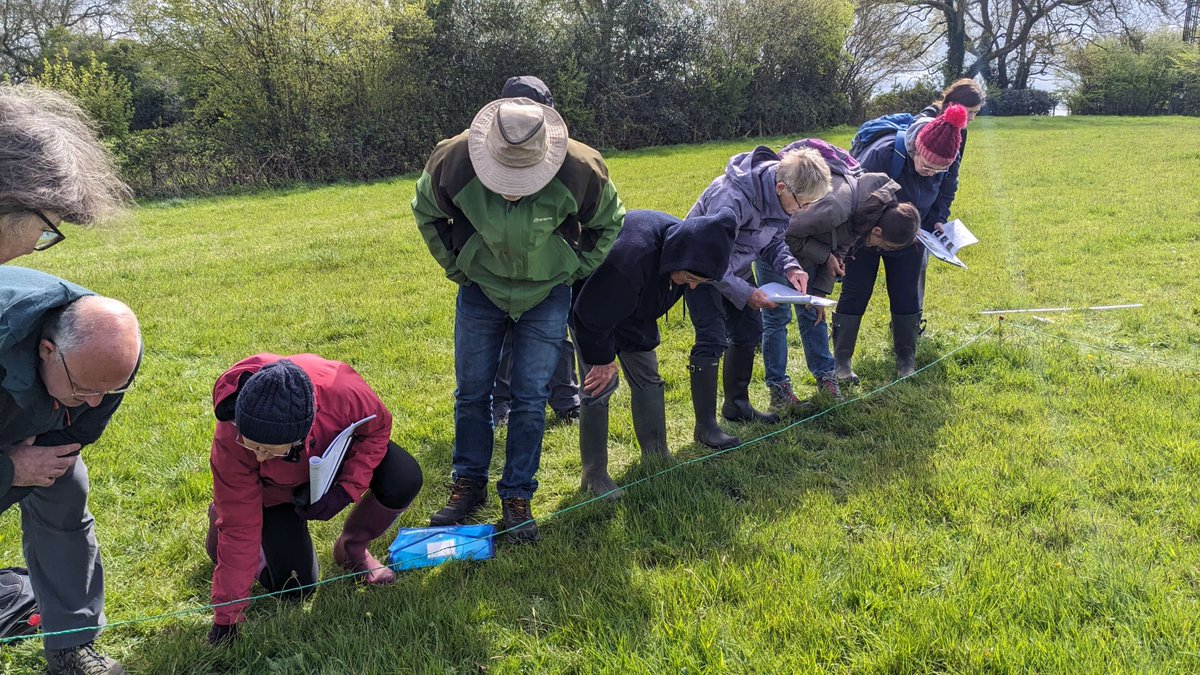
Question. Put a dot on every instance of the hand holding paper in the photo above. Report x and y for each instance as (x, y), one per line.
(780, 294)
(945, 245)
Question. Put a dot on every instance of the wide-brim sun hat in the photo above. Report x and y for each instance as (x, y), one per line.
(517, 146)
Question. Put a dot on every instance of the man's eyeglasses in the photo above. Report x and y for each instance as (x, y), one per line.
(50, 235)
(86, 393)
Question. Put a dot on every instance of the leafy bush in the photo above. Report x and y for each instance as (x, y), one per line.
(325, 90)
(1151, 74)
(103, 94)
(1017, 102)
(910, 99)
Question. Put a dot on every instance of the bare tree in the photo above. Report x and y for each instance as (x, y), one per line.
(32, 29)
(1009, 41)
(887, 40)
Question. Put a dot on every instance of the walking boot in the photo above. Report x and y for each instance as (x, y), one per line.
(739, 366)
(593, 450)
(368, 521)
(517, 521)
(784, 400)
(649, 408)
(828, 386)
(703, 372)
(81, 660)
(904, 342)
(845, 336)
(466, 497)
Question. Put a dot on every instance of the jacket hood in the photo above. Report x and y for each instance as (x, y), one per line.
(875, 193)
(700, 244)
(26, 296)
(745, 172)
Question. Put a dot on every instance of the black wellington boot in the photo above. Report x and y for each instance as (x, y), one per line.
(703, 370)
(739, 366)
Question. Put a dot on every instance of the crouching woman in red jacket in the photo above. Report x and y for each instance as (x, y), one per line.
(273, 414)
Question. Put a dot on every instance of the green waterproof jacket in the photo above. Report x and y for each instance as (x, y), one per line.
(517, 251)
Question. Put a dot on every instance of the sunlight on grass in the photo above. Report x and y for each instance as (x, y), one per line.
(1025, 505)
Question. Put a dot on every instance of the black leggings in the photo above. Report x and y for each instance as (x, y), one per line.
(287, 544)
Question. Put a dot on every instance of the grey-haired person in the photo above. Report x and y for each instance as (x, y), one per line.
(52, 169)
(67, 356)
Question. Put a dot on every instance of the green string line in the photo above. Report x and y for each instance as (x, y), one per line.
(1105, 348)
(573, 507)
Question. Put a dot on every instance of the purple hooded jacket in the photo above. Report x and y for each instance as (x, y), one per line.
(748, 189)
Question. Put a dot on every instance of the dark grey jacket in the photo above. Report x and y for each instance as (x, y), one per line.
(833, 223)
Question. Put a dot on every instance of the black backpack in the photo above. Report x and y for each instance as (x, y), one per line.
(18, 608)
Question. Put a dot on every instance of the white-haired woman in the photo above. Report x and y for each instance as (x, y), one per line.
(52, 169)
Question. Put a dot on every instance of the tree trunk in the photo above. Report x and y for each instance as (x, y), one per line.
(956, 39)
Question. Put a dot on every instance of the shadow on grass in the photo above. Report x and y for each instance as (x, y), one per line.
(582, 585)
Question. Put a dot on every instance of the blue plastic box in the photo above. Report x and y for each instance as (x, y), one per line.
(430, 546)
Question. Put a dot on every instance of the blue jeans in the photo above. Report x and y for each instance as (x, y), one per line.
(813, 336)
(479, 329)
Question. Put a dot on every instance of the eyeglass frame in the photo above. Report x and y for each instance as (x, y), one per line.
(83, 395)
(58, 235)
(292, 455)
(698, 280)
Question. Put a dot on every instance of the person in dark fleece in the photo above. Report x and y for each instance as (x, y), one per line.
(934, 149)
(654, 259)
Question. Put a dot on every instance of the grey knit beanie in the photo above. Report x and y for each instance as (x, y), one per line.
(275, 405)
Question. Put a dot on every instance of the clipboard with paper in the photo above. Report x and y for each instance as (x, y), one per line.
(324, 469)
(786, 295)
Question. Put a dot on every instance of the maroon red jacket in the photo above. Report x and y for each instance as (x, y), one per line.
(242, 486)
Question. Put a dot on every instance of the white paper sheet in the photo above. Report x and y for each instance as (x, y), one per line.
(945, 246)
(787, 295)
(324, 469)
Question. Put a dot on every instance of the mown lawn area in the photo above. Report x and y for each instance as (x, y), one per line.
(1026, 504)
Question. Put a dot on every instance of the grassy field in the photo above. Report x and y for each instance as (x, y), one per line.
(1026, 504)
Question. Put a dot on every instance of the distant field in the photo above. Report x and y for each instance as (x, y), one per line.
(1026, 505)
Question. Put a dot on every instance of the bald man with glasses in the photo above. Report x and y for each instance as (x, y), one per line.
(67, 356)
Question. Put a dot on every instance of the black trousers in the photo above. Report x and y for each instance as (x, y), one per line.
(287, 544)
(902, 269)
(719, 323)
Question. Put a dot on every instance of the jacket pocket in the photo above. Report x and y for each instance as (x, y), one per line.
(468, 253)
(554, 260)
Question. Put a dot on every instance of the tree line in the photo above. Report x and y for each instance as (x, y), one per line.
(200, 96)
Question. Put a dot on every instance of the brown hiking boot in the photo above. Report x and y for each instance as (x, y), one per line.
(829, 386)
(466, 496)
(518, 523)
(784, 399)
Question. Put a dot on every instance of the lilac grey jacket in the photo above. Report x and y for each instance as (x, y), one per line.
(748, 189)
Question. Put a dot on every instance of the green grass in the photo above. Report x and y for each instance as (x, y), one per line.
(1025, 505)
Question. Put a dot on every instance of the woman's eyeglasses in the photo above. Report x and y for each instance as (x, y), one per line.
(50, 235)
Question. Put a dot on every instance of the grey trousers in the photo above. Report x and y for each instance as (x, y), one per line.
(640, 368)
(59, 539)
(564, 388)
